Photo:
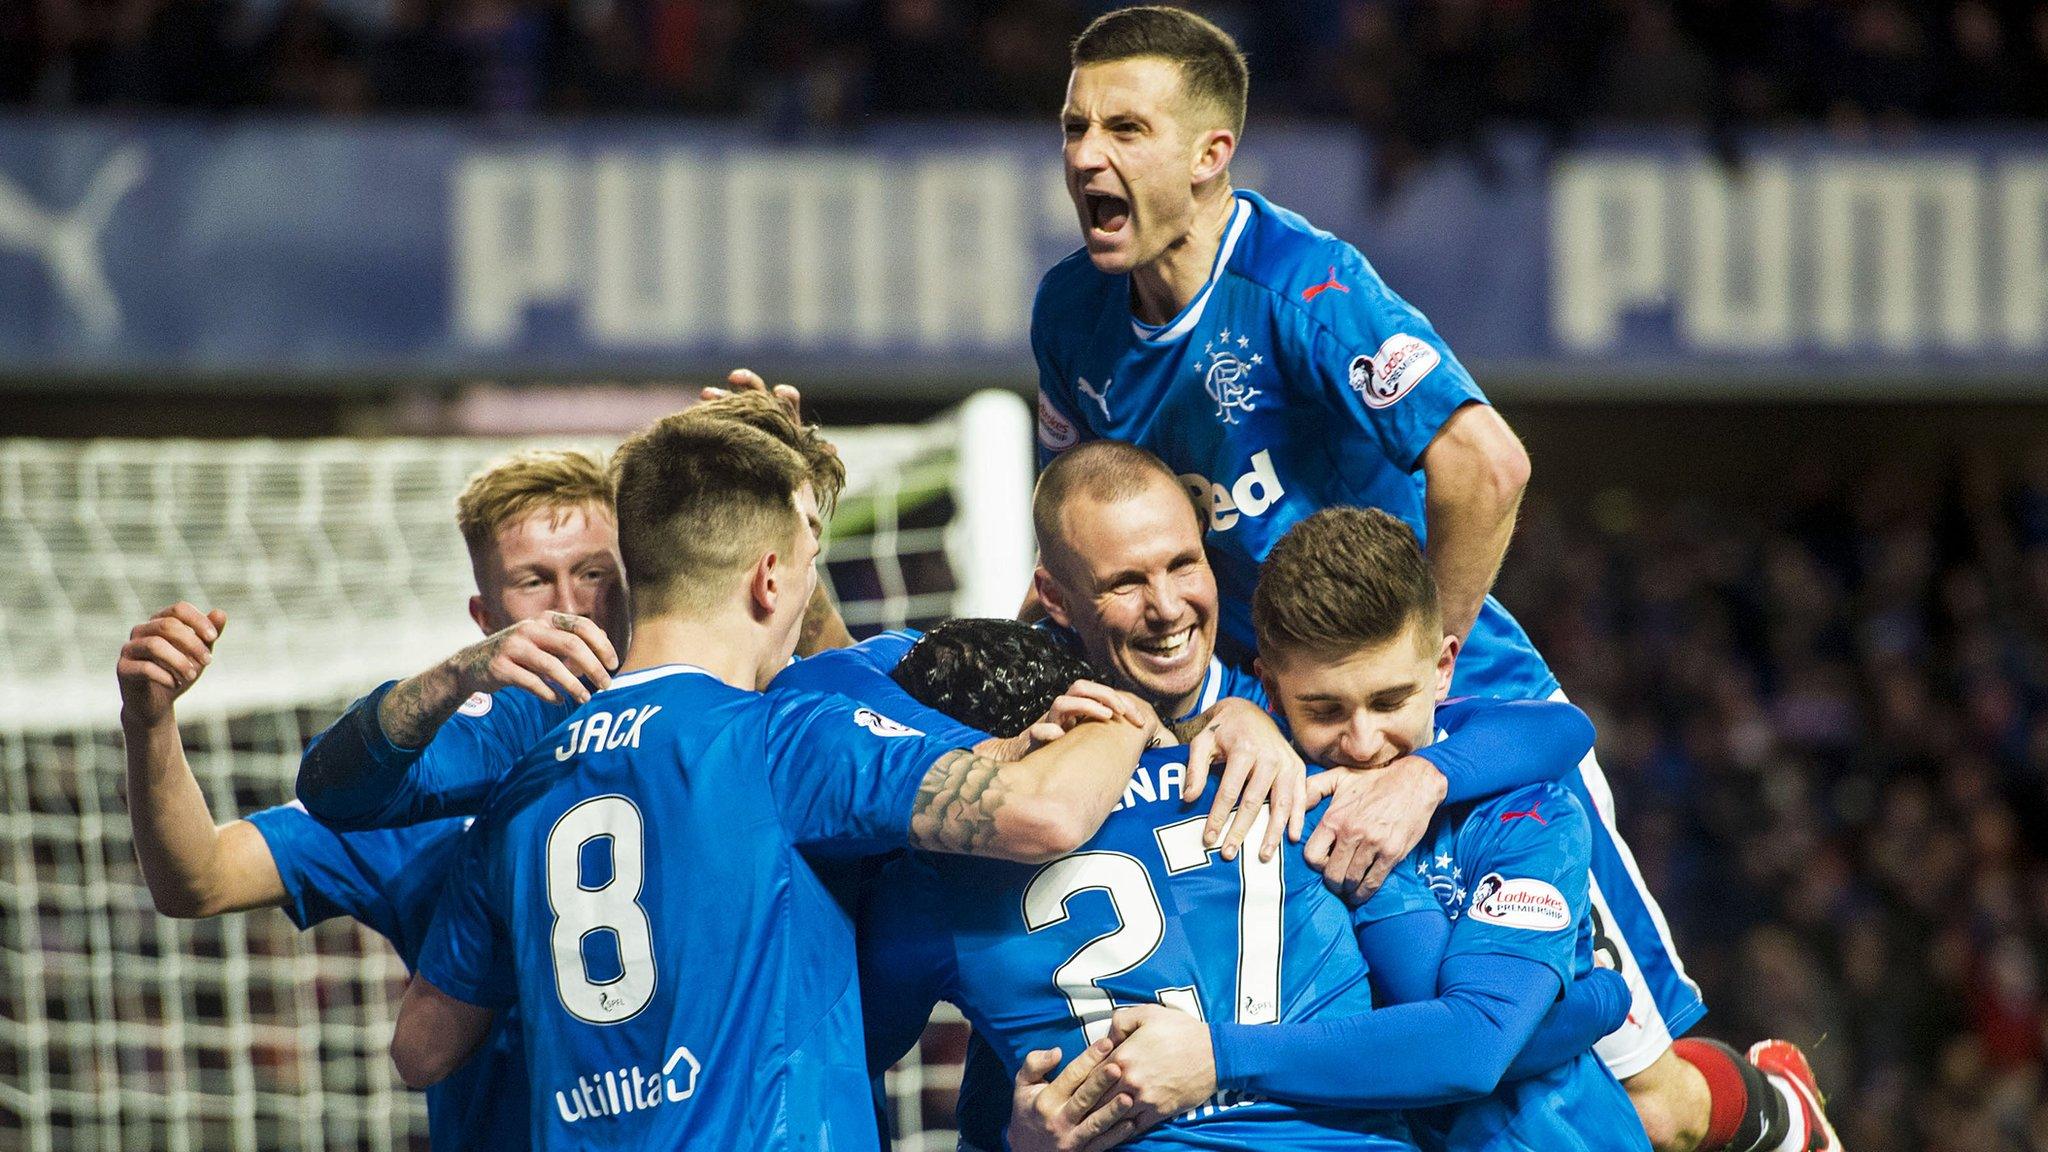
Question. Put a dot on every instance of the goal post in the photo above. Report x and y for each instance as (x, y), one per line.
(339, 564)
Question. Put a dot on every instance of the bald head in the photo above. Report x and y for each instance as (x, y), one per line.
(1104, 472)
(1121, 563)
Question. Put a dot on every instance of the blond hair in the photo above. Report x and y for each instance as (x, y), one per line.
(538, 479)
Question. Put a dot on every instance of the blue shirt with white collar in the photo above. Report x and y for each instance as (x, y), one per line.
(684, 979)
(1295, 380)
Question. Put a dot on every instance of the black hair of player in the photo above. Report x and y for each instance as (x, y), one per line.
(995, 675)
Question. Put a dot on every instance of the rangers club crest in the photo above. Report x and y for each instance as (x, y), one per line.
(1226, 376)
(1446, 881)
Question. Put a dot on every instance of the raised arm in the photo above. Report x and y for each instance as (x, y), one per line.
(192, 867)
(1476, 471)
(823, 628)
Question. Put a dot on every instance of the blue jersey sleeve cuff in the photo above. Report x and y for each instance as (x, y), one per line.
(351, 772)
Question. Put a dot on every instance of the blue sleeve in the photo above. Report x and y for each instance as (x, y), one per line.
(906, 963)
(467, 953)
(1595, 1004)
(1455, 1047)
(1403, 954)
(858, 673)
(1527, 856)
(1496, 746)
(841, 771)
(1058, 428)
(1376, 361)
(353, 777)
(322, 877)
(885, 650)
(1404, 891)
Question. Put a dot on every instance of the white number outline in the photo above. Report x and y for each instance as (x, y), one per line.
(618, 819)
(1262, 897)
(1261, 910)
(1045, 904)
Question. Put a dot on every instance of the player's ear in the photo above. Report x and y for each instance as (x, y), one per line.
(1050, 597)
(1213, 151)
(1266, 679)
(764, 584)
(1446, 663)
(476, 613)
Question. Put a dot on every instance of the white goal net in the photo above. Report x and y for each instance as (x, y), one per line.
(339, 566)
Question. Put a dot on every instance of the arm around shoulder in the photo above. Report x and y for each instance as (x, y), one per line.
(1031, 810)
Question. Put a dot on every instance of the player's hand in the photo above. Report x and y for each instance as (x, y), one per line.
(1260, 767)
(748, 380)
(163, 657)
(1087, 701)
(1163, 1060)
(550, 655)
(1073, 1112)
(1376, 817)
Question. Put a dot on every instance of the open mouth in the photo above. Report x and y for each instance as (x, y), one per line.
(1168, 647)
(1107, 214)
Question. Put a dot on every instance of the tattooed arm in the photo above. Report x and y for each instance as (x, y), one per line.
(395, 759)
(546, 655)
(1035, 809)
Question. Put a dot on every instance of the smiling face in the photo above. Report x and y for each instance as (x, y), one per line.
(552, 560)
(1367, 709)
(1129, 576)
(1136, 149)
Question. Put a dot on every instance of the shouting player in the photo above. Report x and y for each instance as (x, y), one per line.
(1277, 374)
(684, 979)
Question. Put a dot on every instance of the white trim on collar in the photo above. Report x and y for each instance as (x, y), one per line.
(1214, 687)
(1191, 315)
(645, 675)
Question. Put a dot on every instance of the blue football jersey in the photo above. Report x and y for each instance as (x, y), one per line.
(389, 881)
(1040, 957)
(684, 979)
(1511, 873)
(861, 672)
(1294, 381)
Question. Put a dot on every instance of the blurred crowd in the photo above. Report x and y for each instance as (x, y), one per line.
(1419, 73)
(1827, 727)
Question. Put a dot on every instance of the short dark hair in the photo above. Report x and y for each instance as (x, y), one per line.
(991, 674)
(1212, 68)
(698, 501)
(1342, 580)
(769, 414)
(1104, 471)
